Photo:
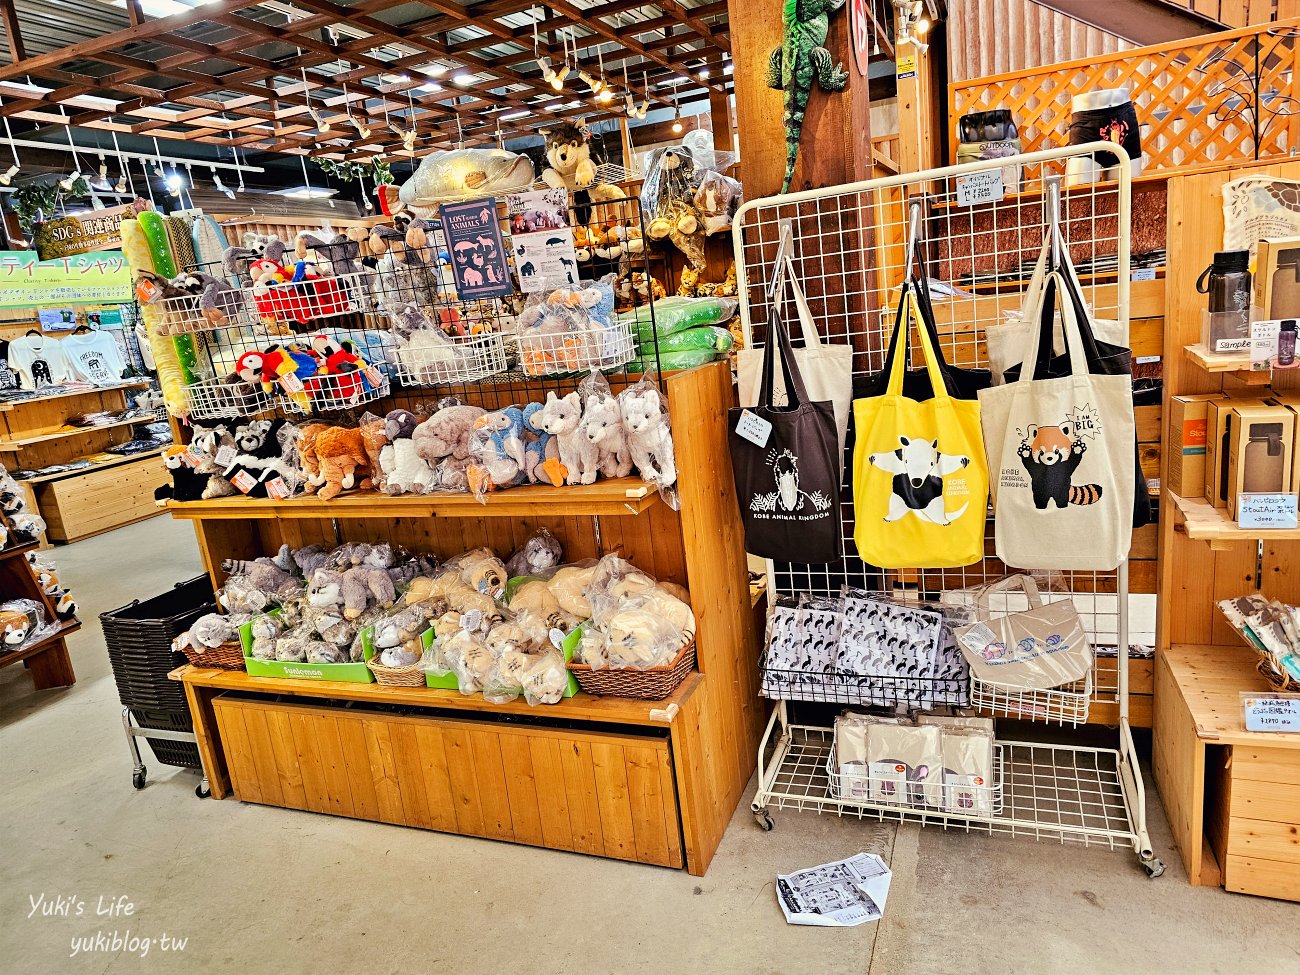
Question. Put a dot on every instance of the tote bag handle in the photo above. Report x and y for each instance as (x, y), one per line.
(927, 308)
(778, 345)
(811, 340)
(1021, 580)
(908, 308)
(1040, 340)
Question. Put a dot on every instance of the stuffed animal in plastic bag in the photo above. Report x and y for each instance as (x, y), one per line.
(264, 631)
(602, 424)
(447, 432)
(649, 435)
(562, 417)
(536, 598)
(341, 456)
(496, 450)
(540, 552)
(541, 451)
(716, 200)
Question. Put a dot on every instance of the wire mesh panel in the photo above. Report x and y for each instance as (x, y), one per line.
(978, 254)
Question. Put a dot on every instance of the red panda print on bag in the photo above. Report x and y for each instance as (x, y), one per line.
(1051, 454)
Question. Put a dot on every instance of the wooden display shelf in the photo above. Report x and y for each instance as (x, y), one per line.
(1232, 796)
(580, 707)
(1204, 522)
(11, 445)
(47, 658)
(8, 405)
(1238, 365)
(617, 496)
(117, 461)
(8, 553)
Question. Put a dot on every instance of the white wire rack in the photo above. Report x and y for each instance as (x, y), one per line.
(460, 359)
(559, 353)
(849, 244)
(221, 399)
(867, 788)
(186, 313)
(337, 391)
(302, 303)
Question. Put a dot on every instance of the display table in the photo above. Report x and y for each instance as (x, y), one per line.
(1232, 796)
(655, 782)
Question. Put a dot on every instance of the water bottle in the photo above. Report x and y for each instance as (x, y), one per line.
(1226, 282)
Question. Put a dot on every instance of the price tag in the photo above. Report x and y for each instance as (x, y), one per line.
(276, 488)
(226, 455)
(373, 376)
(244, 481)
(471, 620)
(1143, 274)
(1267, 511)
(557, 638)
(985, 187)
(147, 291)
(1272, 712)
(194, 457)
(291, 383)
(753, 428)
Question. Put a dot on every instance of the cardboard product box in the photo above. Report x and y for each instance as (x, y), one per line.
(1187, 444)
(1291, 400)
(1277, 277)
(1259, 451)
(1218, 413)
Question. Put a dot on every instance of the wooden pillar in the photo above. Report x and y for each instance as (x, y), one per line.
(720, 116)
(836, 143)
(918, 142)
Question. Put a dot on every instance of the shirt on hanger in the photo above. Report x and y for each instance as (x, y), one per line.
(94, 357)
(38, 360)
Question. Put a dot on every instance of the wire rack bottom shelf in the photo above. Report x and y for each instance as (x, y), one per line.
(1055, 792)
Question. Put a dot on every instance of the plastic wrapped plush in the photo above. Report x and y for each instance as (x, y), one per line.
(546, 679)
(21, 622)
(677, 314)
(649, 435)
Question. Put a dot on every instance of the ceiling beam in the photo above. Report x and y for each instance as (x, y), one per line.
(17, 52)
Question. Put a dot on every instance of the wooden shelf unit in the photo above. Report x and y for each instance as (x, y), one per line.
(655, 782)
(1237, 365)
(34, 434)
(46, 659)
(1203, 522)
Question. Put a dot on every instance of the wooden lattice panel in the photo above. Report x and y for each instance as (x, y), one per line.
(1197, 101)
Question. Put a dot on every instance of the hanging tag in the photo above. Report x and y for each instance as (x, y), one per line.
(194, 457)
(373, 376)
(557, 638)
(291, 383)
(226, 455)
(244, 481)
(471, 620)
(753, 428)
(147, 291)
(276, 488)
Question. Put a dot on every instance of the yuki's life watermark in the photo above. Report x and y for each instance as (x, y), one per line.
(104, 907)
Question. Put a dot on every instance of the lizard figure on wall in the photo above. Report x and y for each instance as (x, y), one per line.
(801, 57)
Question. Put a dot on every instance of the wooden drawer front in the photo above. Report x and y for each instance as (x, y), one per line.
(1266, 764)
(1264, 878)
(604, 794)
(1265, 839)
(78, 506)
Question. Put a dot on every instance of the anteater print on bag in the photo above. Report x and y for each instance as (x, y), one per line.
(1051, 454)
(919, 467)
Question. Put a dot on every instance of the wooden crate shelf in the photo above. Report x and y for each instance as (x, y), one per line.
(1203, 522)
(8, 405)
(617, 496)
(1236, 365)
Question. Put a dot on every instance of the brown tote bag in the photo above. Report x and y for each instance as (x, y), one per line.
(786, 465)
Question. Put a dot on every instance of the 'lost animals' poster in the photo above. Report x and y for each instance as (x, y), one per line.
(478, 256)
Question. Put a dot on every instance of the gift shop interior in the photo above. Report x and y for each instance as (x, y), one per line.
(762, 464)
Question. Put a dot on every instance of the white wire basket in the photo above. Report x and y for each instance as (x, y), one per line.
(336, 391)
(464, 359)
(1063, 705)
(561, 353)
(220, 399)
(186, 313)
(310, 300)
(981, 800)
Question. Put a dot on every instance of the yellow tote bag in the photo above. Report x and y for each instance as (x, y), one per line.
(920, 479)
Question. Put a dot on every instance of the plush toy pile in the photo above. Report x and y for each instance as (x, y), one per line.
(498, 624)
(21, 527)
(568, 330)
(686, 332)
(257, 457)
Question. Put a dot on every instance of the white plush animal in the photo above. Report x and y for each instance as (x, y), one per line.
(649, 436)
(562, 418)
(405, 471)
(602, 424)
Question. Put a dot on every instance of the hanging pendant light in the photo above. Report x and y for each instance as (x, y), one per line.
(8, 175)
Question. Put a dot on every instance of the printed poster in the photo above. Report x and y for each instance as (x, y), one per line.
(478, 253)
(98, 230)
(57, 319)
(542, 238)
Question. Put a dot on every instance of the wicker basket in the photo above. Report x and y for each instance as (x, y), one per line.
(410, 676)
(654, 684)
(1283, 681)
(228, 656)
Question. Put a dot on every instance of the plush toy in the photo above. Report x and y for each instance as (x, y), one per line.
(609, 245)
(570, 166)
(364, 586)
(562, 417)
(602, 424)
(218, 300)
(649, 436)
(187, 483)
(263, 574)
(545, 681)
(303, 561)
(484, 573)
(535, 597)
(210, 631)
(264, 631)
(400, 425)
(307, 459)
(342, 460)
(259, 457)
(540, 552)
(496, 451)
(447, 432)
(463, 174)
(716, 200)
(541, 451)
(583, 243)
(637, 289)
(404, 470)
(556, 335)
(569, 585)
(398, 637)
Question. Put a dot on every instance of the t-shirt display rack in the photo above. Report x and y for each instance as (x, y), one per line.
(112, 491)
(849, 245)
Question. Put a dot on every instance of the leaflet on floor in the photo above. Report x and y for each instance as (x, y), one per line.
(836, 895)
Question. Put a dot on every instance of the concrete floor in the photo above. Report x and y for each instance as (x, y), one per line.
(256, 889)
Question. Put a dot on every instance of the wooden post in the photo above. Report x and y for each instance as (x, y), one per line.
(917, 141)
(836, 143)
(720, 113)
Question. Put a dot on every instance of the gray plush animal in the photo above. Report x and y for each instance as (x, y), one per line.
(542, 551)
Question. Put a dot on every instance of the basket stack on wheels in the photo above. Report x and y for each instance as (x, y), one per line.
(139, 638)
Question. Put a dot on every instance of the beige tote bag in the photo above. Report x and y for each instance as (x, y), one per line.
(1039, 648)
(1006, 342)
(1060, 450)
(826, 367)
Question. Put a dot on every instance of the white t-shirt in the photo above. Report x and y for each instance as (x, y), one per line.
(94, 357)
(38, 360)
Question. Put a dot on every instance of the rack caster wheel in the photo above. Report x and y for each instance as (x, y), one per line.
(764, 820)
(138, 777)
(1155, 867)
(201, 790)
